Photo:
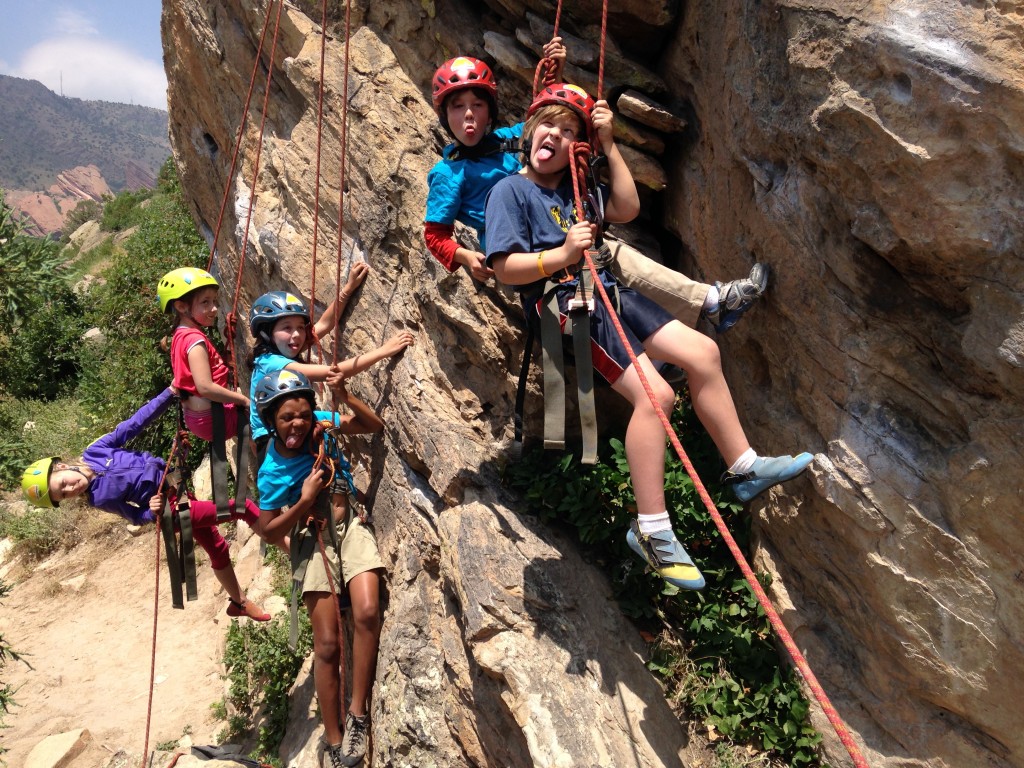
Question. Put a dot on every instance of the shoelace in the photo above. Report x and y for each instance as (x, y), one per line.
(358, 733)
(334, 754)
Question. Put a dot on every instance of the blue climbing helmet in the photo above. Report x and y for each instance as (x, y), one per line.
(278, 386)
(271, 307)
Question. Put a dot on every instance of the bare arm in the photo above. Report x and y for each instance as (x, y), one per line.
(523, 268)
(277, 522)
(360, 363)
(623, 202)
(364, 419)
(199, 365)
(329, 319)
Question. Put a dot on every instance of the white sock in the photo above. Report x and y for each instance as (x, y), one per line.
(712, 299)
(744, 463)
(654, 523)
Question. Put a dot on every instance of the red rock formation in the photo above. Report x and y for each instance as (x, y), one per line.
(45, 212)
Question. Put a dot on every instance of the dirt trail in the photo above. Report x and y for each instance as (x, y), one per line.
(90, 647)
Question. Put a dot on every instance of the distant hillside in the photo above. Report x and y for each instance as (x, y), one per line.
(43, 134)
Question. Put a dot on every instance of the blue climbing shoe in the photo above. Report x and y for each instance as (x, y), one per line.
(666, 557)
(765, 473)
(737, 296)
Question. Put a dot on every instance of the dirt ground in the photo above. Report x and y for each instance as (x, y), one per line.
(84, 621)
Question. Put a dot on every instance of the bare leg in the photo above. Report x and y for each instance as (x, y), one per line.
(228, 580)
(364, 592)
(326, 661)
(699, 356)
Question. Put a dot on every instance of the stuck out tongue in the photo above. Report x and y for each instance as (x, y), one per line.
(545, 153)
(292, 441)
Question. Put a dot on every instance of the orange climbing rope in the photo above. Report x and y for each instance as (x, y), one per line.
(578, 175)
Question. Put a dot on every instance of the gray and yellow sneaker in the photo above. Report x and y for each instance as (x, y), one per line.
(665, 556)
(737, 296)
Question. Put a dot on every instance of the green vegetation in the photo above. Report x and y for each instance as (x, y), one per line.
(714, 650)
(75, 390)
(7, 654)
(124, 211)
(261, 668)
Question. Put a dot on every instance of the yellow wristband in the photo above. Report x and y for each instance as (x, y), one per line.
(540, 264)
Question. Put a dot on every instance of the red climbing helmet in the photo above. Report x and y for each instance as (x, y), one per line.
(565, 95)
(459, 73)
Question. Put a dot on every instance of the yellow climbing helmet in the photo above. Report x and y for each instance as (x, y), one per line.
(179, 282)
(36, 482)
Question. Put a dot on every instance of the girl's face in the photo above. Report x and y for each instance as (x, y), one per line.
(293, 421)
(552, 139)
(66, 483)
(469, 117)
(203, 307)
(289, 336)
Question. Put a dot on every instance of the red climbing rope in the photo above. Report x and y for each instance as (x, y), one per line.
(156, 606)
(231, 319)
(342, 173)
(238, 144)
(578, 174)
(544, 75)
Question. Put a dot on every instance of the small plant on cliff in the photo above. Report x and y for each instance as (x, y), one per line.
(260, 670)
(712, 649)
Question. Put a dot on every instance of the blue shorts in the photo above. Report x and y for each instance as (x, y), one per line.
(640, 318)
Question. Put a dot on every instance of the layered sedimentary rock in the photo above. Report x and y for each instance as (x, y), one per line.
(868, 153)
(44, 212)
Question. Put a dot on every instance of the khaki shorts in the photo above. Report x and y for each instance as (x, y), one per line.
(359, 554)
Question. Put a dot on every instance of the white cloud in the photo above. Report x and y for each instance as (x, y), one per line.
(71, 22)
(95, 69)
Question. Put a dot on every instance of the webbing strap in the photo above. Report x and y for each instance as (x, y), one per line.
(181, 559)
(524, 375)
(219, 464)
(579, 316)
(554, 371)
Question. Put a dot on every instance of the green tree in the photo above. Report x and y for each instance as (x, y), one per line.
(41, 357)
(30, 269)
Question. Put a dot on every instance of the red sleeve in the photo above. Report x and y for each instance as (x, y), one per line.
(440, 243)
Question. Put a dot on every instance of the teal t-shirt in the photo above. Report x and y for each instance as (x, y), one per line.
(264, 365)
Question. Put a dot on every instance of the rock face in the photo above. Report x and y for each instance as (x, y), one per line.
(870, 158)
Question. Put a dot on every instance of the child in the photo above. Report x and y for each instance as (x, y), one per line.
(533, 236)
(465, 99)
(292, 498)
(279, 323)
(199, 371)
(126, 482)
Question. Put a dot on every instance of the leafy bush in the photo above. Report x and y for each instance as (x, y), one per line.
(38, 532)
(41, 357)
(261, 669)
(32, 429)
(86, 210)
(30, 268)
(123, 212)
(715, 651)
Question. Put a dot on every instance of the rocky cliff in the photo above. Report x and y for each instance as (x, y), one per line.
(870, 152)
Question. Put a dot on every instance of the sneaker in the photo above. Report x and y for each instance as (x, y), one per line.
(353, 746)
(666, 557)
(737, 296)
(329, 755)
(248, 609)
(765, 473)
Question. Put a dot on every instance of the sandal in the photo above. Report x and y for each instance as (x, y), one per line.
(248, 609)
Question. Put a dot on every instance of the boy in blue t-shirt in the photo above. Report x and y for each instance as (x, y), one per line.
(465, 98)
(535, 241)
(293, 497)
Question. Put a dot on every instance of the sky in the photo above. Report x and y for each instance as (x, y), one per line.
(107, 50)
